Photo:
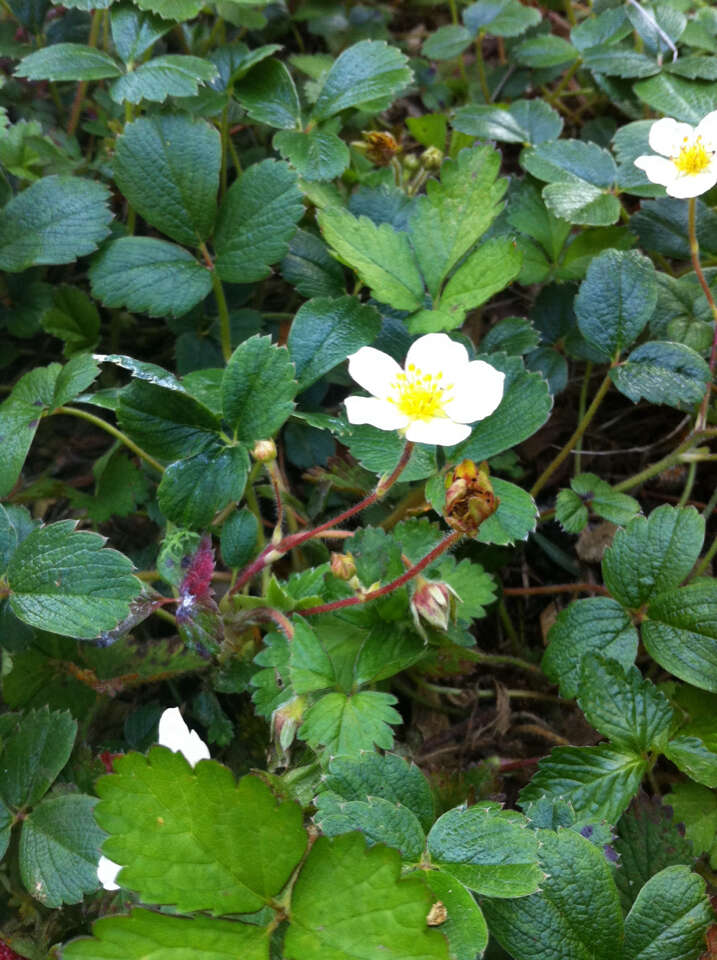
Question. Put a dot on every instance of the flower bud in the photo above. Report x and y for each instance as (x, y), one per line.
(381, 147)
(264, 451)
(343, 566)
(432, 158)
(286, 720)
(434, 602)
(469, 497)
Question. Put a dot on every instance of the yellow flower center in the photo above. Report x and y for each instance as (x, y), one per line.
(420, 396)
(693, 158)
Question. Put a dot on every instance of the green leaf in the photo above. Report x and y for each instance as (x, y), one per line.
(67, 61)
(167, 166)
(33, 754)
(239, 538)
(61, 580)
(581, 203)
(492, 267)
(268, 95)
(350, 902)
(619, 61)
(258, 389)
(489, 850)
(688, 100)
(514, 335)
(623, 706)
(368, 71)
(256, 221)
(661, 225)
(345, 725)
(694, 758)
(515, 518)
(196, 838)
(149, 275)
(166, 422)
(597, 625)
(447, 42)
(527, 212)
(193, 490)
(7, 822)
(134, 31)
(19, 418)
(76, 375)
(143, 370)
(310, 268)
(545, 50)
(525, 407)
(465, 927)
(570, 161)
(316, 155)
(382, 775)
(653, 554)
(59, 850)
(681, 630)
(695, 807)
(380, 255)
(576, 915)
(171, 75)
(649, 839)
(663, 372)
(325, 331)
(501, 18)
(615, 300)
(669, 918)
(176, 10)
(379, 820)
(524, 121)
(380, 450)
(598, 781)
(589, 489)
(55, 220)
(143, 933)
(73, 318)
(456, 212)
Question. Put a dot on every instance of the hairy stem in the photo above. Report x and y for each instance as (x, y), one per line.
(108, 428)
(695, 255)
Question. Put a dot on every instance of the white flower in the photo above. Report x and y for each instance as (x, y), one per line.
(433, 399)
(175, 734)
(687, 166)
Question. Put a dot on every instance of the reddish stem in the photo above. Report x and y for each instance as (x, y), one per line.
(555, 588)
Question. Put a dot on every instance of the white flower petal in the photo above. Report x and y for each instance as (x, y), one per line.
(437, 353)
(658, 169)
(107, 871)
(692, 185)
(379, 413)
(477, 392)
(667, 136)
(440, 430)
(707, 129)
(373, 370)
(175, 734)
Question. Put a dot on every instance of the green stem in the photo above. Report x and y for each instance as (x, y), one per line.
(567, 77)
(689, 483)
(131, 215)
(454, 11)
(579, 431)
(705, 561)
(82, 85)
(480, 64)
(569, 12)
(667, 461)
(581, 414)
(225, 148)
(113, 431)
(695, 255)
(225, 331)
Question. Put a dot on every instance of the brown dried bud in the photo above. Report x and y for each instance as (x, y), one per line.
(437, 914)
(469, 497)
(434, 602)
(381, 147)
(343, 566)
(264, 451)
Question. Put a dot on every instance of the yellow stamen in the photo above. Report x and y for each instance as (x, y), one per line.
(692, 158)
(419, 396)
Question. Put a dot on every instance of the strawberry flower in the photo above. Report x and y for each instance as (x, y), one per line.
(687, 165)
(432, 399)
(175, 734)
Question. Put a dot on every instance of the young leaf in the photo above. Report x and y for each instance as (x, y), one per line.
(598, 625)
(588, 488)
(193, 490)
(67, 61)
(316, 155)
(380, 255)
(487, 849)
(346, 725)
(615, 300)
(149, 275)
(59, 850)
(256, 221)
(663, 372)
(653, 554)
(196, 838)
(34, 752)
(365, 72)
(347, 895)
(172, 75)
(167, 166)
(143, 933)
(576, 915)
(258, 389)
(681, 630)
(63, 581)
(268, 95)
(623, 706)
(325, 331)
(54, 220)
(599, 781)
(669, 918)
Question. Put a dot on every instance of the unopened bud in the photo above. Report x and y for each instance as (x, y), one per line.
(343, 566)
(469, 497)
(411, 162)
(432, 158)
(264, 451)
(433, 602)
(286, 719)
